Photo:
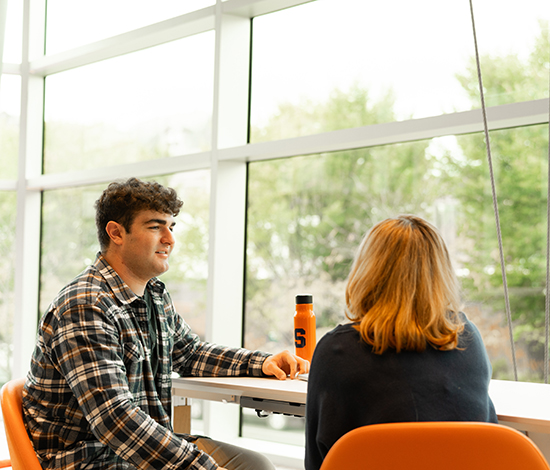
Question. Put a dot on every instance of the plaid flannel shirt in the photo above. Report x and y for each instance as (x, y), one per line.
(90, 400)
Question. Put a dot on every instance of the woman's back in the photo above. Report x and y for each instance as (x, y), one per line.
(350, 386)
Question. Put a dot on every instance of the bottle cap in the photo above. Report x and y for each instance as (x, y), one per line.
(304, 299)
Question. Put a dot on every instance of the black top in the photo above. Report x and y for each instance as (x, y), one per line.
(304, 299)
(349, 386)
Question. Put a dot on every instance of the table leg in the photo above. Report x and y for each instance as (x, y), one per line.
(182, 415)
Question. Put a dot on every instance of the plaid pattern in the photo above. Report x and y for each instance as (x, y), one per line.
(90, 400)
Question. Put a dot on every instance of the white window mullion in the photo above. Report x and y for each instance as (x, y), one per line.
(27, 245)
(227, 202)
(3, 14)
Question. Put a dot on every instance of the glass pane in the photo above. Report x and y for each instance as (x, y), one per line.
(85, 22)
(7, 281)
(146, 105)
(10, 96)
(389, 66)
(521, 168)
(303, 232)
(186, 280)
(14, 32)
(69, 242)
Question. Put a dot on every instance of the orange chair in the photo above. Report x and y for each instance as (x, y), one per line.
(22, 453)
(434, 446)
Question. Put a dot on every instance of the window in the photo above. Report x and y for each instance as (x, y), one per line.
(72, 24)
(14, 32)
(307, 216)
(188, 274)
(10, 95)
(69, 242)
(141, 106)
(404, 68)
(7, 275)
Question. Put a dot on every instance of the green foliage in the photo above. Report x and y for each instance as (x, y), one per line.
(343, 110)
(187, 277)
(74, 146)
(520, 164)
(509, 79)
(69, 241)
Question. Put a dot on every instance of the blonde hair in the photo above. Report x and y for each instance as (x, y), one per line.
(402, 288)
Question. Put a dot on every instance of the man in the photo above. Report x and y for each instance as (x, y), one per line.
(98, 394)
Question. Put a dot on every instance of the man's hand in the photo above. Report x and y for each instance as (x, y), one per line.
(283, 364)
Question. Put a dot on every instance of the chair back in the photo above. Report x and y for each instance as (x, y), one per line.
(22, 454)
(435, 446)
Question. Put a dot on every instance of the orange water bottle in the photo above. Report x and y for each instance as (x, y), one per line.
(304, 327)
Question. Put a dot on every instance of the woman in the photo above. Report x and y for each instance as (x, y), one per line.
(409, 353)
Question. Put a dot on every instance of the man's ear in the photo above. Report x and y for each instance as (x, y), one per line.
(116, 232)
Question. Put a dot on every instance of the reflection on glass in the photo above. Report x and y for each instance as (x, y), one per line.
(69, 242)
(7, 280)
(303, 232)
(413, 64)
(14, 32)
(10, 96)
(147, 105)
(86, 22)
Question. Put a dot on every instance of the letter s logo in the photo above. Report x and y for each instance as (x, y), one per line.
(300, 338)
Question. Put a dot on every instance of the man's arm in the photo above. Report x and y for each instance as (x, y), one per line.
(193, 357)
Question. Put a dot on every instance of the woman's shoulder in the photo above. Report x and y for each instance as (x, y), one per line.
(343, 329)
(334, 351)
(468, 324)
(343, 334)
(470, 333)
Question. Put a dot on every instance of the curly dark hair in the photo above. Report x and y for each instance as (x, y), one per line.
(121, 201)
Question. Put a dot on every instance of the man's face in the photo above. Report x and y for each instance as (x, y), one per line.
(147, 247)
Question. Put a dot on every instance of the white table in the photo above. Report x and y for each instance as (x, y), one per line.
(267, 392)
(521, 405)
